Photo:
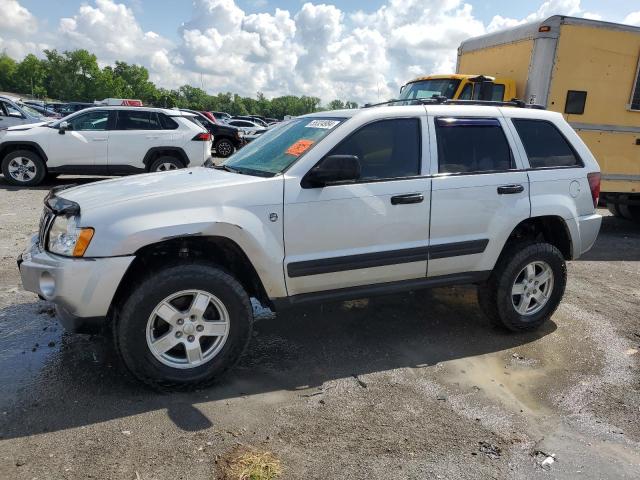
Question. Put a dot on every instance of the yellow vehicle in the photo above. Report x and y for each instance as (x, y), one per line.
(585, 69)
(459, 87)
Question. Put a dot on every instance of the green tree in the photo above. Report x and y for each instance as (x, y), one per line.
(136, 82)
(30, 75)
(7, 72)
(336, 105)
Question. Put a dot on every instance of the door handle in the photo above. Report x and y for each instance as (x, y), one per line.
(510, 189)
(99, 139)
(408, 198)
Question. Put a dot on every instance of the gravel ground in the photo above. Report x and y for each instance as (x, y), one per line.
(402, 387)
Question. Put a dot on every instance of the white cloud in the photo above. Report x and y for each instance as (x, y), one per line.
(19, 30)
(317, 50)
(16, 19)
(592, 16)
(546, 10)
(632, 19)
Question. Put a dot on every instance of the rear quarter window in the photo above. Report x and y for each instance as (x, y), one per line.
(167, 123)
(545, 145)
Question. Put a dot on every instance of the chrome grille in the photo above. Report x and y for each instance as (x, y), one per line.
(45, 223)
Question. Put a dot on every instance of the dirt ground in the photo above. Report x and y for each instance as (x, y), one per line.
(413, 386)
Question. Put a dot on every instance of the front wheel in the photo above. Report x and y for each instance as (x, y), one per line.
(184, 326)
(525, 287)
(23, 168)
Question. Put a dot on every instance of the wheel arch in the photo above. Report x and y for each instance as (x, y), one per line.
(13, 145)
(213, 250)
(552, 229)
(156, 152)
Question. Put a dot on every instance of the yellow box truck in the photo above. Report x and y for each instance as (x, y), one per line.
(585, 69)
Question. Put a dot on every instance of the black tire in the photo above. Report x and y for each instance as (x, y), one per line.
(130, 326)
(166, 163)
(224, 147)
(495, 296)
(630, 212)
(35, 174)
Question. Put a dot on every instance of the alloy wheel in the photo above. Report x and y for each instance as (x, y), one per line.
(22, 169)
(166, 166)
(187, 329)
(532, 288)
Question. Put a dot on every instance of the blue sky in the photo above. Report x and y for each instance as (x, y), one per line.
(348, 49)
(162, 16)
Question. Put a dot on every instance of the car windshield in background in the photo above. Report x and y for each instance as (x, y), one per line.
(279, 147)
(444, 87)
(31, 111)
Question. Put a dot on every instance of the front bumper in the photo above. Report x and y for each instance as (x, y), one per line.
(81, 288)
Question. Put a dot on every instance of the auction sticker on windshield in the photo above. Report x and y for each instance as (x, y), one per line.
(325, 124)
(299, 147)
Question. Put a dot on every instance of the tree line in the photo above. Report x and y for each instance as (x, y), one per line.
(76, 76)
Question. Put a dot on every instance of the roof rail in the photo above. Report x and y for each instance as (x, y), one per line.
(440, 100)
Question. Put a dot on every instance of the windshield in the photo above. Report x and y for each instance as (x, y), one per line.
(279, 147)
(31, 111)
(445, 87)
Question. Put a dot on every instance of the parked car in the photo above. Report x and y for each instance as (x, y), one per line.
(72, 107)
(104, 140)
(251, 130)
(12, 113)
(223, 116)
(122, 102)
(43, 110)
(226, 139)
(374, 201)
(254, 119)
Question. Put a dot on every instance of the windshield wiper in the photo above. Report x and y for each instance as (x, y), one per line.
(227, 168)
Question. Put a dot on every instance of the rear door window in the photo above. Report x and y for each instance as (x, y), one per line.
(472, 145)
(545, 146)
(137, 120)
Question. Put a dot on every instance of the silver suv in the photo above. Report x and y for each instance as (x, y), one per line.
(330, 206)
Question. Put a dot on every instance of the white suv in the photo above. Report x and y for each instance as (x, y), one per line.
(104, 141)
(331, 206)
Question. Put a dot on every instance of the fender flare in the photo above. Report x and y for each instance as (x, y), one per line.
(33, 145)
(151, 153)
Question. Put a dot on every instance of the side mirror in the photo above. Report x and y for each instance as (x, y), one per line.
(331, 170)
(63, 127)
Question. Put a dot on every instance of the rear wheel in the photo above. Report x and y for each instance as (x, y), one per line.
(630, 212)
(525, 287)
(184, 327)
(614, 209)
(23, 168)
(166, 163)
(224, 147)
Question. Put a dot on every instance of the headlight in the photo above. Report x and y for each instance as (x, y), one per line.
(65, 238)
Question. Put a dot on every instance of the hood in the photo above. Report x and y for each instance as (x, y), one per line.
(181, 184)
(28, 126)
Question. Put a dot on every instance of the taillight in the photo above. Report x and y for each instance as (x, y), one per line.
(202, 137)
(594, 185)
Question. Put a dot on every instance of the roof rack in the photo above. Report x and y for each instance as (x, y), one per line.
(440, 100)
